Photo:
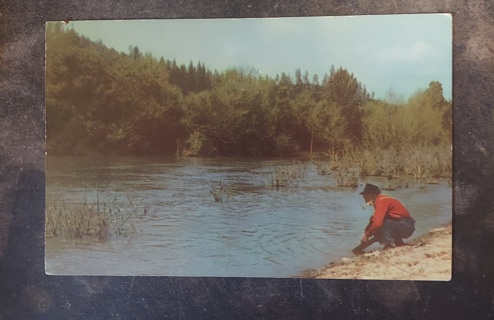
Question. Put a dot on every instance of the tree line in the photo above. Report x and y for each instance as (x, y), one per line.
(100, 101)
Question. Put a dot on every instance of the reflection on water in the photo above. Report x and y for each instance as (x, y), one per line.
(256, 232)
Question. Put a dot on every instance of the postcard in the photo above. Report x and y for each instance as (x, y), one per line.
(264, 147)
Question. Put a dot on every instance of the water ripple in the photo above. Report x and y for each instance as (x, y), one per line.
(255, 232)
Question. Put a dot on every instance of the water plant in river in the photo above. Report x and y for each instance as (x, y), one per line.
(222, 191)
(323, 168)
(286, 175)
(425, 162)
(347, 177)
(98, 219)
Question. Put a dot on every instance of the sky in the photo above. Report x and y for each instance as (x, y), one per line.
(397, 54)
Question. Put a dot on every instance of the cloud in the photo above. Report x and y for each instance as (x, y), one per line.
(417, 51)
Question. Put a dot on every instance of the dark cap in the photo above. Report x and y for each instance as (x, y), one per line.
(370, 189)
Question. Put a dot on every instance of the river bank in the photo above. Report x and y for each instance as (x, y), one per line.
(428, 257)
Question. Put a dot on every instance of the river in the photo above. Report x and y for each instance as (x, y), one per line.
(256, 231)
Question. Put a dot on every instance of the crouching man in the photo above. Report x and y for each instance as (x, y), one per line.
(391, 221)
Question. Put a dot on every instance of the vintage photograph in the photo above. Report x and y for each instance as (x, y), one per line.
(308, 147)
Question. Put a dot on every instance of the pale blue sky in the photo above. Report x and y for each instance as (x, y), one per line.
(402, 53)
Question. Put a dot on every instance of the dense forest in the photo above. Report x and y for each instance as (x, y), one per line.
(100, 101)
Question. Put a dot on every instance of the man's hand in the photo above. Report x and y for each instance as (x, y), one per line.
(364, 238)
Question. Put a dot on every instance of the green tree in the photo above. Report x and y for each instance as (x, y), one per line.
(76, 74)
(382, 127)
(330, 125)
(101, 101)
(305, 109)
(283, 111)
(343, 89)
(421, 121)
(435, 95)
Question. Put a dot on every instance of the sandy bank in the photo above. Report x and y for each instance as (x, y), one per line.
(428, 257)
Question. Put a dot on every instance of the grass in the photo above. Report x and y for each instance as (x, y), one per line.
(100, 220)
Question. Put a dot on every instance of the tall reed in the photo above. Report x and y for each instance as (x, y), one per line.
(98, 219)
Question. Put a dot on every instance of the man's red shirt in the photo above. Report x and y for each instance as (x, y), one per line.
(385, 207)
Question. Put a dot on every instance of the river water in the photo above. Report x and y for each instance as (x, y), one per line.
(256, 231)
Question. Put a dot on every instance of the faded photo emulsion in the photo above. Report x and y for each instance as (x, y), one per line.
(315, 147)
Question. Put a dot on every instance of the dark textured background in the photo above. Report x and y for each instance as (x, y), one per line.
(27, 293)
